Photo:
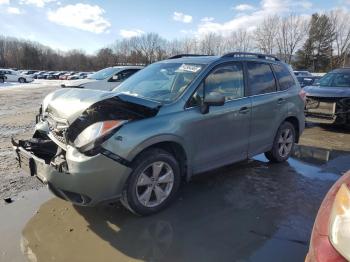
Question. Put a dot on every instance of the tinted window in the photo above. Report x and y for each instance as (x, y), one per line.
(227, 80)
(126, 73)
(341, 80)
(261, 79)
(284, 78)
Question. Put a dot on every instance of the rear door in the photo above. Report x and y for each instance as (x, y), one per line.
(262, 88)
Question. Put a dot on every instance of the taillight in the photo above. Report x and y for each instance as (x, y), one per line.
(302, 95)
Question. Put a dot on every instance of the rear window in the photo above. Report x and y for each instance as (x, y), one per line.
(261, 78)
(284, 78)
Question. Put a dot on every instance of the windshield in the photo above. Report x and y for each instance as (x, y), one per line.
(163, 82)
(104, 73)
(335, 80)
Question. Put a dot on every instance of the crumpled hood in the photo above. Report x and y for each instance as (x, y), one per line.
(79, 82)
(325, 91)
(70, 103)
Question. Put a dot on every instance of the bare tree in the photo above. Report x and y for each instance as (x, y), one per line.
(341, 26)
(266, 34)
(292, 31)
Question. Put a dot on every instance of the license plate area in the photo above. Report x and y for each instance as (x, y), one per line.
(322, 108)
(31, 165)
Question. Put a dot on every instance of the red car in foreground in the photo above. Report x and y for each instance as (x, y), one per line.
(330, 238)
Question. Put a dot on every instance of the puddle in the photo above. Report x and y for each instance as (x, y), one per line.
(250, 211)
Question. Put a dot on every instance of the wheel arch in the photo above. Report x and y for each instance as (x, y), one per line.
(173, 145)
(295, 122)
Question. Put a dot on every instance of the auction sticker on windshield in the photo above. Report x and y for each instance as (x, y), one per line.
(189, 68)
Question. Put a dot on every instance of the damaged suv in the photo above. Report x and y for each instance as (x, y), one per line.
(169, 121)
(328, 102)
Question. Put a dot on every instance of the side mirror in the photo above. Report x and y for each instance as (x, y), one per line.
(212, 99)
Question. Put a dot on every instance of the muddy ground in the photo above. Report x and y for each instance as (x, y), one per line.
(250, 211)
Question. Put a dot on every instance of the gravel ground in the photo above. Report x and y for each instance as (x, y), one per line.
(18, 107)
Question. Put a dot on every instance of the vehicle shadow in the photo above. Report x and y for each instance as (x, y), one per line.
(251, 211)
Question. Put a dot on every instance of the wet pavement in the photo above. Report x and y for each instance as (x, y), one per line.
(251, 211)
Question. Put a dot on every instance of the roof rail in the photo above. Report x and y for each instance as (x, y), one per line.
(184, 55)
(257, 55)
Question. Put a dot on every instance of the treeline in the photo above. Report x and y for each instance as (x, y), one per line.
(319, 43)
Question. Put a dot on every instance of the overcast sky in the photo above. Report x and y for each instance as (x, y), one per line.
(90, 25)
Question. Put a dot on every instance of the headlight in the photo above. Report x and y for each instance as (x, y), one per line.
(96, 134)
(340, 222)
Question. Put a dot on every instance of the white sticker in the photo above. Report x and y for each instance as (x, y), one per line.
(189, 68)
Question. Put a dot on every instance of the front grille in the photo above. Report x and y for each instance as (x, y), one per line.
(58, 128)
(59, 136)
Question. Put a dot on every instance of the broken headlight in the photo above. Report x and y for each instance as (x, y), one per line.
(96, 134)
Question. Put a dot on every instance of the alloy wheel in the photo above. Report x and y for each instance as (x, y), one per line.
(285, 142)
(154, 184)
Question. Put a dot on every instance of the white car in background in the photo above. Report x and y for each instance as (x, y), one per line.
(14, 76)
(105, 79)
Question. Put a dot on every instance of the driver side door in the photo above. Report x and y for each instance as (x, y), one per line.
(221, 136)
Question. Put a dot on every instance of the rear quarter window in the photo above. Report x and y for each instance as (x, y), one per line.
(284, 78)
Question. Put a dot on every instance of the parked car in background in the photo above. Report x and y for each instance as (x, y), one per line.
(105, 79)
(302, 73)
(46, 75)
(330, 238)
(2, 77)
(66, 75)
(30, 72)
(81, 75)
(169, 121)
(56, 75)
(35, 75)
(308, 80)
(15, 76)
(329, 101)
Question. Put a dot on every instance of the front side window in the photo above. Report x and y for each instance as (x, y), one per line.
(285, 80)
(163, 82)
(126, 74)
(226, 79)
(261, 78)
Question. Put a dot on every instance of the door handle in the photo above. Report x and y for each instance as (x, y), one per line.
(244, 110)
(280, 101)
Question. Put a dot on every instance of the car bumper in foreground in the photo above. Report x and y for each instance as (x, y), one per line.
(84, 180)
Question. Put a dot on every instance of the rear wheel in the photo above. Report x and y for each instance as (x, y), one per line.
(2, 80)
(283, 144)
(153, 183)
(21, 80)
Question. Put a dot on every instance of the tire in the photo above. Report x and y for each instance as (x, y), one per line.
(21, 80)
(142, 194)
(2, 80)
(283, 144)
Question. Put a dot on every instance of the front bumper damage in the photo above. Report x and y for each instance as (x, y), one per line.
(70, 175)
(327, 110)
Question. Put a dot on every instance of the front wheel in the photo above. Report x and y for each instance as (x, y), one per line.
(283, 144)
(21, 80)
(2, 80)
(153, 183)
